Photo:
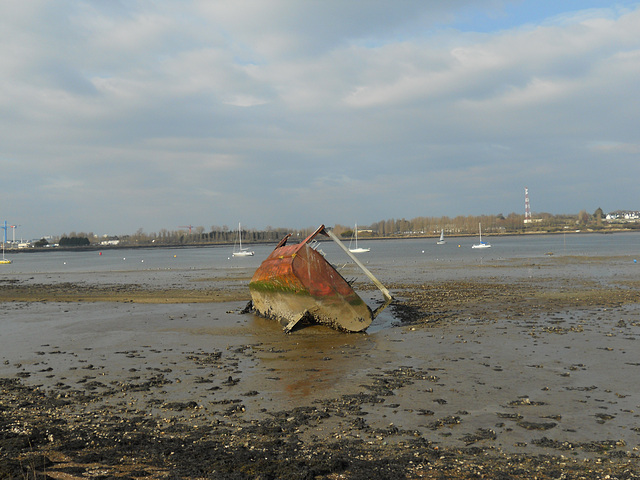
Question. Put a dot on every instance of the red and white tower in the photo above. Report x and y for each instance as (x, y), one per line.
(527, 206)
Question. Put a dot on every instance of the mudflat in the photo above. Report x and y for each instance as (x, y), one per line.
(505, 373)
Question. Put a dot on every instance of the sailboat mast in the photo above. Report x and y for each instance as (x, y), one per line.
(377, 283)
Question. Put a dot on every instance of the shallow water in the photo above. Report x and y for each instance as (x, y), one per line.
(384, 254)
(391, 261)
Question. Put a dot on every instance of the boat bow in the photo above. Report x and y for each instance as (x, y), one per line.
(296, 282)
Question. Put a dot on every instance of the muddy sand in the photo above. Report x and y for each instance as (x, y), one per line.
(503, 375)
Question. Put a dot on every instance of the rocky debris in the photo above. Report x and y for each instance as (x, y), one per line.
(41, 433)
(479, 435)
(444, 301)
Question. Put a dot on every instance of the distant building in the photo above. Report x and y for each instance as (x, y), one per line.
(622, 216)
(111, 241)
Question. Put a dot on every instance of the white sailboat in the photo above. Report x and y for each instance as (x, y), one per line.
(4, 261)
(481, 244)
(357, 249)
(441, 241)
(242, 252)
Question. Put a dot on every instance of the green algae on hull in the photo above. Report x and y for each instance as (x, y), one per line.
(296, 282)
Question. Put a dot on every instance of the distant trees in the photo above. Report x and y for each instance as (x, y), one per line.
(74, 242)
(415, 227)
(583, 217)
(459, 225)
(598, 215)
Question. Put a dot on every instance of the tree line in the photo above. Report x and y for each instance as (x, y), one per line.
(392, 228)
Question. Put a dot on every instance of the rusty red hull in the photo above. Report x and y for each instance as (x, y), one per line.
(296, 281)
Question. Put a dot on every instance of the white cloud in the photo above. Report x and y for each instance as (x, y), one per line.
(374, 106)
(614, 147)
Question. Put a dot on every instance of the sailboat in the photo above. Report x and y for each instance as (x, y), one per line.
(358, 249)
(481, 244)
(441, 241)
(242, 252)
(4, 261)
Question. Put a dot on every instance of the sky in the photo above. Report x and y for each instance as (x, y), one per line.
(123, 116)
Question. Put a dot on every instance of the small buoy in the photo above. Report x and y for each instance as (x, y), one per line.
(458, 246)
(175, 256)
(141, 261)
(422, 251)
(100, 253)
(635, 261)
(124, 258)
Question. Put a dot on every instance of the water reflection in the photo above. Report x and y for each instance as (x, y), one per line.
(312, 361)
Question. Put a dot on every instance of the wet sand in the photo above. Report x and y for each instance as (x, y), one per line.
(502, 375)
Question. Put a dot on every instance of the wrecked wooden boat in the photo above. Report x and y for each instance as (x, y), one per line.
(296, 282)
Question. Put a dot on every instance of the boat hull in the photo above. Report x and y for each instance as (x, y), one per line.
(296, 282)
(242, 254)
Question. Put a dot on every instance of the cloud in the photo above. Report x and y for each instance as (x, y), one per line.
(300, 113)
(615, 147)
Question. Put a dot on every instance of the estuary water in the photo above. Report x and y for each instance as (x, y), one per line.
(386, 254)
(592, 257)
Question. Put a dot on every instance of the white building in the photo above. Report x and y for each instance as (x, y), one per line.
(621, 216)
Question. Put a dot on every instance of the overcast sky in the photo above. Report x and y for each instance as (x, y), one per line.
(121, 115)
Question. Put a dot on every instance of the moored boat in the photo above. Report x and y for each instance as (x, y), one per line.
(242, 252)
(296, 282)
(358, 249)
(4, 261)
(481, 244)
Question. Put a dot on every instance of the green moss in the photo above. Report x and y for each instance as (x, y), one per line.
(275, 287)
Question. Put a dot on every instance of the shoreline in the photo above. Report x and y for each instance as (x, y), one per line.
(491, 376)
(92, 248)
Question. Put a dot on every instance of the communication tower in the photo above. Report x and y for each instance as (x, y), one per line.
(527, 206)
(13, 227)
